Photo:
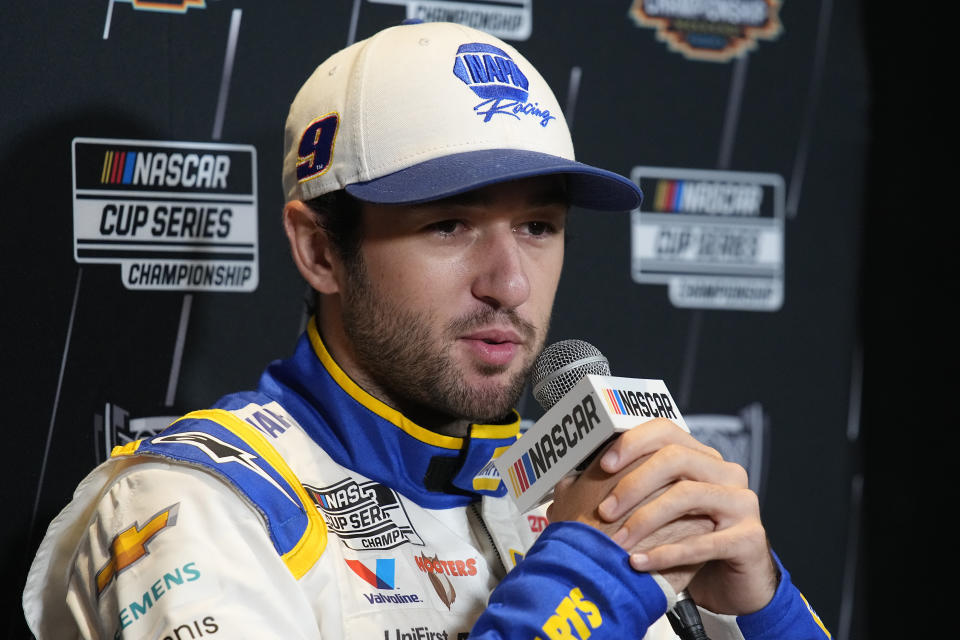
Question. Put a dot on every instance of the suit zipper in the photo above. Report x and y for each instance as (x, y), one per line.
(483, 525)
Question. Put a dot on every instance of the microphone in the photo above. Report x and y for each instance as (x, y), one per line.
(585, 408)
(561, 365)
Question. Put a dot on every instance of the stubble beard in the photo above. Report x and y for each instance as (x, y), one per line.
(395, 348)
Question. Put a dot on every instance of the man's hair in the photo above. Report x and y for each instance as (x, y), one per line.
(339, 215)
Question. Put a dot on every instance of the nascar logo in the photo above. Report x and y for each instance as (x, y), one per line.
(364, 516)
(115, 167)
(191, 170)
(694, 196)
(522, 475)
(634, 403)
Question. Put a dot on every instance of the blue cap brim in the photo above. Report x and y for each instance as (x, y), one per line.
(589, 187)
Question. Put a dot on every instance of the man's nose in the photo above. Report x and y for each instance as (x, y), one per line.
(500, 272)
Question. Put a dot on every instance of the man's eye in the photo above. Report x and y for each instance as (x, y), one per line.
(446, 227)
(537, 228)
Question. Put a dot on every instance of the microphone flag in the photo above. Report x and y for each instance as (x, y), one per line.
(594, 410)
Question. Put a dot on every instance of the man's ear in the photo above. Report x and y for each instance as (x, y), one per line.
(313, 253)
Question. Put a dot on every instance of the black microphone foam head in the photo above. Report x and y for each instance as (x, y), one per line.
(561, 366)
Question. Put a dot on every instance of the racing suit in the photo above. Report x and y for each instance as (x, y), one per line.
(309, 509)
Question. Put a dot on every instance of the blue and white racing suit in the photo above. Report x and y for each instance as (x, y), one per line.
(309, 509)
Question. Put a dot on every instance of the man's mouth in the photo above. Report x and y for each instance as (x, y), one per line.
(496, 347)
(495, 336)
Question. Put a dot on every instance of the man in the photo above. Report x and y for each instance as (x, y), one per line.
(428, 172)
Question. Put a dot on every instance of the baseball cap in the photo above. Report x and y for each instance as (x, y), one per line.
(419, 112)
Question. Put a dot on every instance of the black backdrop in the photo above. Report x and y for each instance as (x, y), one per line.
(79, 348)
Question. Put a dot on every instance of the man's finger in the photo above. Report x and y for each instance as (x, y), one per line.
(725, 506)
(667, 466)
(729, 545)
(645, 439)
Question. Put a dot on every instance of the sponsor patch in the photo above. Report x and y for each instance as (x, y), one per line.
(716, 238)
(131, 544)
(488, 478)
(537, 523)
(506, 19)
(574, 613)
(364, 515)
(711, 30)
(270, 419)
(382, 576)
(176, 216)
(222, 452)
(160, 588)
(438, 571)
(205, 626)
(420, 633)
(434, 565)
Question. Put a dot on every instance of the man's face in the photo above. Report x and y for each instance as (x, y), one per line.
(449, 302)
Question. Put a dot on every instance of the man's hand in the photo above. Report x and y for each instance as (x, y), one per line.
(576, 498)
(677, 506)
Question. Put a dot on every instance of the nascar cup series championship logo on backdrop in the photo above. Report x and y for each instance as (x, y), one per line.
(712, 30)
(506, 19)
(174, 215)
(716, 238)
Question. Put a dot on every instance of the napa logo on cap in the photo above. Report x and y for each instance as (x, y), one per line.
(494, 77)
(490, 72)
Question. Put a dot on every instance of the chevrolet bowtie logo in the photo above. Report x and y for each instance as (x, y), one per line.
(131, 544)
